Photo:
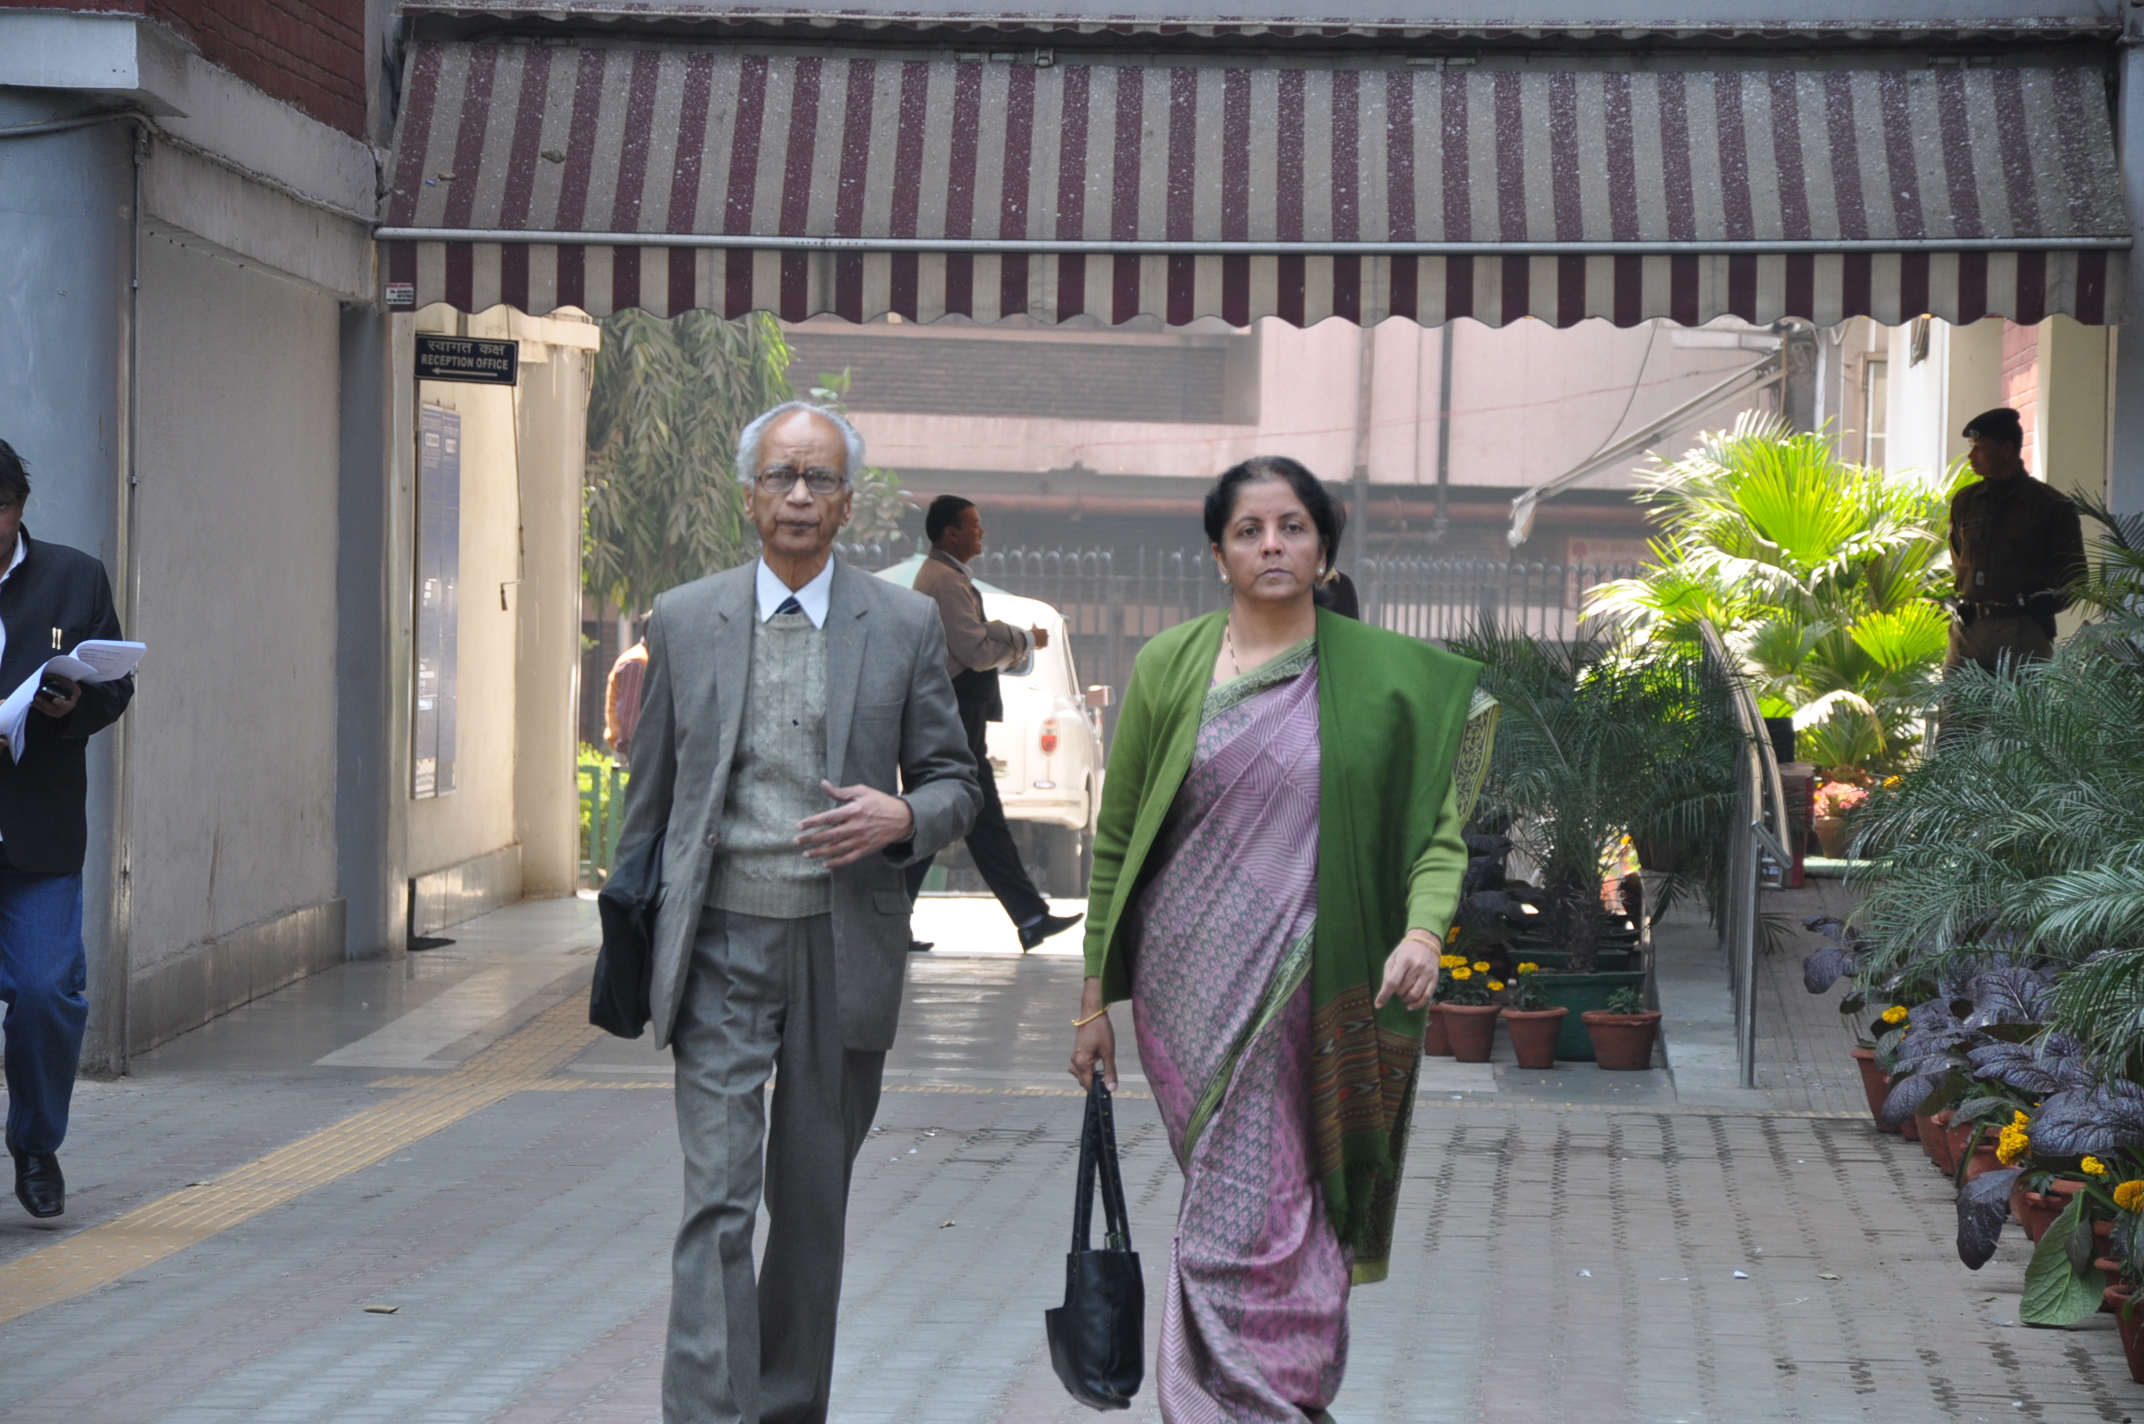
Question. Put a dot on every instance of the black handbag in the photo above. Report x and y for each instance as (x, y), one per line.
(1098, 1336)
(625, 966)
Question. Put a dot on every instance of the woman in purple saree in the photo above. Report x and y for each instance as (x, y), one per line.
(1283, 1068)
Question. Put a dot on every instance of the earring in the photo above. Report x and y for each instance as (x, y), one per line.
(1224, 575)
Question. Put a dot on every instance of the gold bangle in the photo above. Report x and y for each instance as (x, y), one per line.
(1422, 937)
(1082, 1023)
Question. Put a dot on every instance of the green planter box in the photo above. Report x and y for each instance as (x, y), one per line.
(1606, 959)
(1579, 993)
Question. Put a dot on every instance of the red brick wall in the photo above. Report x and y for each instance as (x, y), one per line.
(308, 53)
(2021, 378)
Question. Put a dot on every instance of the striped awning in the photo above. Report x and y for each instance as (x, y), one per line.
(668, 176)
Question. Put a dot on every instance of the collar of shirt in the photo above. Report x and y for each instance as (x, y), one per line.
(22, 551)
(812, 598)
(966, 572)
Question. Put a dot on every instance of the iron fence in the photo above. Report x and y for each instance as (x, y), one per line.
(1114, 600)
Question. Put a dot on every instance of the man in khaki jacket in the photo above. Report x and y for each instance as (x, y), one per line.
(975, 649)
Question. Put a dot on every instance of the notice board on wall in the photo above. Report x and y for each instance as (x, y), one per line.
(438, 567)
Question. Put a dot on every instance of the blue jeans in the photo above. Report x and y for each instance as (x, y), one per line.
(43, 972)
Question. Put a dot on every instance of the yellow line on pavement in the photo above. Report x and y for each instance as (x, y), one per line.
(103, 1253)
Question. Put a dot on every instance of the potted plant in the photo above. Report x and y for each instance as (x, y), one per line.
(1599, 744)
(1624, 1032)
(1534, 1022)
(1835, 801)
(1468, 1012)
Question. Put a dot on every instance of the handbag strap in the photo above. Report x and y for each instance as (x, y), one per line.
(1098, 1157)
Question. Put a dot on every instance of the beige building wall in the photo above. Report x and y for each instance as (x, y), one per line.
(1529, 401)
(509, 827)
(230, 742)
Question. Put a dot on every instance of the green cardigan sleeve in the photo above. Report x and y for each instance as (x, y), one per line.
(1126, 776)
(1433, 883)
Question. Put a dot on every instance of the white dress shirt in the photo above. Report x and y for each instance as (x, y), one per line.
(812, 598)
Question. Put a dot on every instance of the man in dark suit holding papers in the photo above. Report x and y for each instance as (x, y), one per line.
(51, 599)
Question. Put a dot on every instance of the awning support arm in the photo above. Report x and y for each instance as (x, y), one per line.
(1753, 377)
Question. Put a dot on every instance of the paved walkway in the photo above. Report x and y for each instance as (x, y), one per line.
(426, 1191)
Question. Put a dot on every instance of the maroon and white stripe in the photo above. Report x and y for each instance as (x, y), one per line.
(681, 141)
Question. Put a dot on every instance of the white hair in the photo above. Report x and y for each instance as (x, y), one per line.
(756, 433)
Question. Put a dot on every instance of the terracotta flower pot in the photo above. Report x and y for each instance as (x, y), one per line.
(1434, 1043)
(1910, 1129)
(2036, 1211)
(1984, 1159)
(1533, 1035)
(1471, 1030)
(2131, 1325)
(1623, 1042)
(1935, 1140)
(1875, 1084)
(1961, 1135)
(1831, 834)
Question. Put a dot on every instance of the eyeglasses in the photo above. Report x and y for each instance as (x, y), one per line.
(780, 479)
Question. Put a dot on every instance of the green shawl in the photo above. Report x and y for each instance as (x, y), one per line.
(1403, 740)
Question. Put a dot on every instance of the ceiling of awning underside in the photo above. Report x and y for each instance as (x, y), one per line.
(1183, 189)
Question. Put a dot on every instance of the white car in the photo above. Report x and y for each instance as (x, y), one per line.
(1047, 753)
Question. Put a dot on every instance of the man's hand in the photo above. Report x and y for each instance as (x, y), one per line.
(58, 695)
(1410, 972)
(865, 821)
(1041, 636)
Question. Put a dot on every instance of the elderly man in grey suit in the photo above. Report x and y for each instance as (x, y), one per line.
(781, 700)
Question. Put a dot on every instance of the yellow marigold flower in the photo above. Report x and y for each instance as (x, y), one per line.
(2019, 1119)
(1451, 961)
(1497, 985)
(2013, 1147)
(1453, 937)
(1895, 1014)
(1529, 967)
(1462, 973)
(2129, 1196)
(2093, 1167)
(1481, 966)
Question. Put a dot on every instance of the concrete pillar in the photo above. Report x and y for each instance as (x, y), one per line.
(369, 850)
(1798, 387)
(66, 262)
(2072, 381)
(2125, 392)
(553, 414)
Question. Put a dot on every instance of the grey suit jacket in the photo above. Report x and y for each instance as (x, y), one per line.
(889, 709)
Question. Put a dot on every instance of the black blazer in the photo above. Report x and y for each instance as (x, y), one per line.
(56, 598)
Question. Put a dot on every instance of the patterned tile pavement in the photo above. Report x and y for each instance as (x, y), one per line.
(1565, 1253)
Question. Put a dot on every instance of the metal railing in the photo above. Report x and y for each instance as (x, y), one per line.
(1114, 600)
(1758, 796)
(602, 789)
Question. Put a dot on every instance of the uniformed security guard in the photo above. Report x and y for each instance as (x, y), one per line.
(2015, 549)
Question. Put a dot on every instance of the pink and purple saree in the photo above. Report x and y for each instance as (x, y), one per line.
(1255, 1324)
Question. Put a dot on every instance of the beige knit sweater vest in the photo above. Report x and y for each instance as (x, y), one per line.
(775, 776)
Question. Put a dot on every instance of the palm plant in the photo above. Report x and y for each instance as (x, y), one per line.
(668, 400)
(2023, 834)
(1822, 576)
(1597, 742)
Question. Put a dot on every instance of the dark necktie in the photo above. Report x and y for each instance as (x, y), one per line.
(789, 605)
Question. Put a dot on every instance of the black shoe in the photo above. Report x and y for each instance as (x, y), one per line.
(920, 946)
(1042, 929)
(38, 1183)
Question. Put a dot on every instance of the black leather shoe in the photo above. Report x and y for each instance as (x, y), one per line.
(38, 1183)
(1042, 929)
(920, 946)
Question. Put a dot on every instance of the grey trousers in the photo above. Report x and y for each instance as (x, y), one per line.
(759, 999)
